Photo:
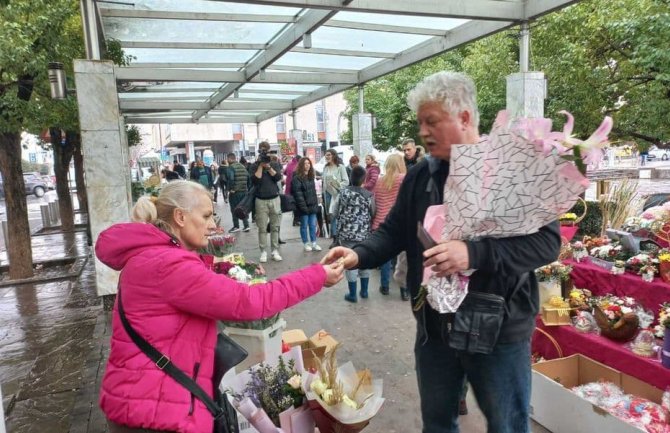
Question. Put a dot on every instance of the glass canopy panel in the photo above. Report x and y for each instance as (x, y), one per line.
(281, 87)
(157, 55)
(363, 40)
(164, 30)
(286, 97)
(401, 20)
(203, 6)
(326, 61)
(165, 95)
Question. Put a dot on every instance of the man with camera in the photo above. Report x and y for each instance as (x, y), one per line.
(266, 174)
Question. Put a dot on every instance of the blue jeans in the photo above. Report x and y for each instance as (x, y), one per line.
(354, 274)
(386, 273)
(305, 222)
(501, 382)
(333, 221)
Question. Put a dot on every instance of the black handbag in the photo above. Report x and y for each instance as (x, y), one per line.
(247, 204)
(477, 323)
(287, 203)
(227, 354)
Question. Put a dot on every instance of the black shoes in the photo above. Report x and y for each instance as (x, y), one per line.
(383, 290)
(404, 294)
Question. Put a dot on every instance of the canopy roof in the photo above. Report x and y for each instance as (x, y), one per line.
(247, 61)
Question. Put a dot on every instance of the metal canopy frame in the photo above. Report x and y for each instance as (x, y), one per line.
(245, 61)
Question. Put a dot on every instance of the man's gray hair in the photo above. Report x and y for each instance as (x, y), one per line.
(455, 91)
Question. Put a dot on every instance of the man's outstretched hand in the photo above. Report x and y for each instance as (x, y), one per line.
(348, 257)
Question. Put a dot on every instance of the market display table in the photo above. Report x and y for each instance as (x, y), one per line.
(600, 281)
(601, 349)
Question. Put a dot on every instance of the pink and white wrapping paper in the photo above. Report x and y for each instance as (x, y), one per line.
(505, 185)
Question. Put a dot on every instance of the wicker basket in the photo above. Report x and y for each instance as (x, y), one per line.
(624, 330)
(579, 218)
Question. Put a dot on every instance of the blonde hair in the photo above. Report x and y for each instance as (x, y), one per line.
(372, 157)
(393, 167)
(178, 194)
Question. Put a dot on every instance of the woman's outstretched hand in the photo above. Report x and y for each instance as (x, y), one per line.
(334, 273)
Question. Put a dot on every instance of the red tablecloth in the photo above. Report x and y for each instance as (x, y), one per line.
(600, 281)
(601, 349)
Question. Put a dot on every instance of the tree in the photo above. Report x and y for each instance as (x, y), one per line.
(30, 37)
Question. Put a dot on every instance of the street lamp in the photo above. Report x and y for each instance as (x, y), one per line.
(57, 81)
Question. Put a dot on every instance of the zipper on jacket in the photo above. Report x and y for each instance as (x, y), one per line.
(196, 367)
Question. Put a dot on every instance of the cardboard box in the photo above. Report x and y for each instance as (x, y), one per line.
(560, 410)
(554, 316)
(309, 357)
(322, 338)
(295, 337)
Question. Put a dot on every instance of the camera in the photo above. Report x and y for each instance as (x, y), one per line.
(264, 157)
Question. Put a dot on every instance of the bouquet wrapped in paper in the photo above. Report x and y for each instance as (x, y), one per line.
(511, 183)
(342, 400)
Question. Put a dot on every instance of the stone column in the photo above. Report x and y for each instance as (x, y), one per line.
(362, 128)
(105, 150)
(526, 92)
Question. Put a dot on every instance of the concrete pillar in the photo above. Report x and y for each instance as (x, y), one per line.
(362, 128)
(105, 151)
(2, 415)
(296, 134)
(526, 91)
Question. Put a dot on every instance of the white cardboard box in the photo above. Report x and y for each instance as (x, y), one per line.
(560, 410)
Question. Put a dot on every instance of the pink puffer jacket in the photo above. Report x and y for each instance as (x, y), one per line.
(173, 301)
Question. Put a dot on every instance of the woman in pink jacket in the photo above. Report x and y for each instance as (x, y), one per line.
(173, 300)
(371, 172)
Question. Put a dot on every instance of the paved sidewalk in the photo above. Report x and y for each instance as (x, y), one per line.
(54, 341)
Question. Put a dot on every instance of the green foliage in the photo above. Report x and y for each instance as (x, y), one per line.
(592, 222)
(134, 136)
(136, 190)
(115, 53)
(28, 166)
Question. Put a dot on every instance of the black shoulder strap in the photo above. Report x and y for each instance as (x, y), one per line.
(164, 363)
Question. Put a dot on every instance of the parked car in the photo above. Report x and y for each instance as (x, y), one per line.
(49, 181)
(656, 153)
(33, 182)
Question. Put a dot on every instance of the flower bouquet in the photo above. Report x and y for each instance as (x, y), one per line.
(342, 400)
(555, 271)
(647, 272)
(664, 264)
(271, 397)
(639, 261)
(568, 219)
(663, 320)
(605, 255)
(616, 317)
(579, 251)
(515, 181)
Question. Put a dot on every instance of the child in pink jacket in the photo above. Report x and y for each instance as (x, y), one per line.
(173, 300)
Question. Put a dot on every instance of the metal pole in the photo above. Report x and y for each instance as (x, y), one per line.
(46, 217)
(52, 213)
(294, 114)
(524, 47)
(361, 106)
(57, 209)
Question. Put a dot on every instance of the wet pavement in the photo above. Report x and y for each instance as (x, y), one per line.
(54, 341)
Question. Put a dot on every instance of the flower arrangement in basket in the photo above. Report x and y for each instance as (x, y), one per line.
(579, 251)
(641, 263)
(555, 271)
(571, 218)
(663, 320)
(664, 264)
(616, 317)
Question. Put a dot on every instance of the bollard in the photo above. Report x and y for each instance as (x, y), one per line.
(46, 217)
(5, 234)
(57, 209)
(52, 214)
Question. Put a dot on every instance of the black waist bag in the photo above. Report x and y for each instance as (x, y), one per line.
(477, 323)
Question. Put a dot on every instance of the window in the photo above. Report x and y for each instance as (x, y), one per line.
(281, 124)
(237, 128)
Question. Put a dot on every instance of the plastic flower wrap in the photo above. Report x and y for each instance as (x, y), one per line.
(342, 399)
(663, 320)
(579, 251)
(641, 261)
(511, 183)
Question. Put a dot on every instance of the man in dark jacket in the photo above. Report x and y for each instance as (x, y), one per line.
(238, 178)
(412, 154)
(266, 175)
(503, 266)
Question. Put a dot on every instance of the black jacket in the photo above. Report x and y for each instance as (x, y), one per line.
(266, 185)
(304, 191)
(505, 266)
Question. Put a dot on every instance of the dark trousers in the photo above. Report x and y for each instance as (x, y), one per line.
(235, 199)
(501, 382)
(118, 428)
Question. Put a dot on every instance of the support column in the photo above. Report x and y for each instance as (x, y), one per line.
(105, 151)
(526, 91)
(362, 128)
